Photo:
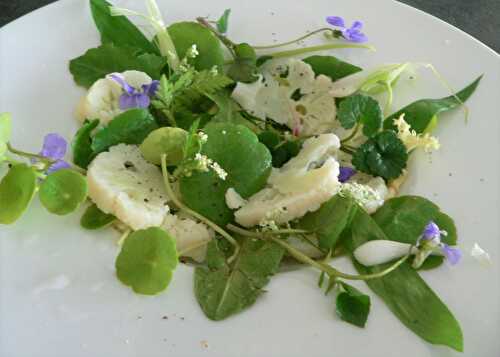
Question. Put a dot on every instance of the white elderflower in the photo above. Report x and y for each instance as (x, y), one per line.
(411, 139)
(192, 52)
(203, 137)
(218, 170)
(205, 163)
(366, 196)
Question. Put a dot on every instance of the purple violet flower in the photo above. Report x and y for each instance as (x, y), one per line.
(453, 255)
(430, 240)
(353, 33)
(345, 173)
(431, 231)
(54, 148)
(133, 97)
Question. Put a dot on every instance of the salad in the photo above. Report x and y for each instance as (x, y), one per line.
(240, 160)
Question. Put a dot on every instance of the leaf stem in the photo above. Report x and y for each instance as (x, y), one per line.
(189, 211)
(283, 44)
(352, 135)
(123, 237)
(29, 155)
(227, 42)
(330, 46)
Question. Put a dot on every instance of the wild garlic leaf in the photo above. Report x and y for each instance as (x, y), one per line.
(229, 145)
(147, 260)
(186, 34)
(331, 66)
(63, 191)
(352, 305)
(223, 21)
(130, 127)
(404, 218)
(422, 113)
(223, 290)
(361, 109)
(17, 189)
(405, 293)
(382, 155)
(94, 218)
(330, 220)
(98, 62)
(81, 145)
(119, 30)
(167, 140)
(244, 68)
(5, 133)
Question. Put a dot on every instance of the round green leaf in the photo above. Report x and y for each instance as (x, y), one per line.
(5, 132)
(147, 260)
(383, 155)
(185, 34)
(17, 189)
(94, 218)
(63, 191)
(166, 140)
(248, 164)
(361, 109)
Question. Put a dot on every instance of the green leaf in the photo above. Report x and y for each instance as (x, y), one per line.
(5, 133)
(147, 260)
(169, 141)
(421, 113)
(63, 191)
(185, 34)
(281, 150)
(361, 109)
(17, 189)
(244, 67)
(130, 127)
(118, 30)
(352, 305)
(97, 62)
(383, 155)
(330, 220)
(331, 66)
(81, 145)
(94, 218)
(405, 292)
(228, 109)
(229, 145)
(404, 218)
(223, 21)
(263, 59)
(223, 290)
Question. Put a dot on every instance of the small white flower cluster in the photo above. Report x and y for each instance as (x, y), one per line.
(412, 140)
(204, 164)
(214, 71)
(268, 223)
(203, 137)
(192, 52)
(363, 194)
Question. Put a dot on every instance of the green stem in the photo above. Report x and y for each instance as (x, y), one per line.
(29, 155)
(227, 42)
(283, 44)
(123, 237)
(388, 103)
(189, 211)
(352, 135)
(331, 46)
(170, 117)
(347, 150)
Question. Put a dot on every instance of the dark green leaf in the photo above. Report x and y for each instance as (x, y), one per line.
(405, 292)
(361, 109)
(17, 189)
(229, 145)
(421, 113)
(244, 68)
(147, 260)
(352, 305)
(130, 127)
(81, 145)
(63, 191)
(185, 34)
(228, 109)
(281, 150)
(383, 155)
(223, 290)
(223, 21)
(331, 67)
(263, 59)
(94, 218)
(96, 63)
(118, 30)
(330, 220)
(404, 218)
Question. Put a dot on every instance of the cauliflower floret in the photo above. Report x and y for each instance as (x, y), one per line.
(233, 199)
(289, 93)
(301, 186)
(191, 237)
(102, 99)
(123, 183)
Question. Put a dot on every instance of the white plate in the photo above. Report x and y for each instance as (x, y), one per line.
(94, 315)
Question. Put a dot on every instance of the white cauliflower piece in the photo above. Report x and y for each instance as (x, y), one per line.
(300, 186)
(123, 183)
(102, 99)
(191, 237)
(233, 199)
(289, 93)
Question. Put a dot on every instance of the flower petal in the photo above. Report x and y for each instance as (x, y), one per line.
(54, 146)
(58, 165)
(480, 255)
(356, 26)
(118, 78)
(453, 255)
(335, 21)
(431, 231)
(354, 35)
(150, 89)
(345, 173)
(138, 100)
